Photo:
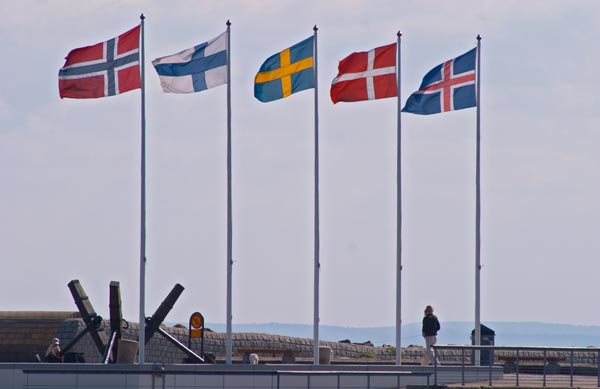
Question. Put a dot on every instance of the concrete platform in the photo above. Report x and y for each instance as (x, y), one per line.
(97, 376)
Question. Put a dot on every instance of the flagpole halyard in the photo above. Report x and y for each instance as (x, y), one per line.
(399, 211)
(317, 265)
(142, 333)
(478, 205)
(229, 342)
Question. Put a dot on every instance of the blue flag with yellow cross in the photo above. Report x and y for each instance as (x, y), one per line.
(287, 72)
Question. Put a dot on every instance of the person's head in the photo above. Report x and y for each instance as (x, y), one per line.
(428, 309)
(55, 341)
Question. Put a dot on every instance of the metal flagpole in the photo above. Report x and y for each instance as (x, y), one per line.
(317, 239)
(142, 332)
(478, 208)
(398, 215)
(229, 345)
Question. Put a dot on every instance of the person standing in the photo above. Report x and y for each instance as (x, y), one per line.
(431, 326)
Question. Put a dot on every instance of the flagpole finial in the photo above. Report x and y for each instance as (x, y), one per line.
(142, 17)
(228, 23)
(399, 34)
(315, 28)
(478, 37)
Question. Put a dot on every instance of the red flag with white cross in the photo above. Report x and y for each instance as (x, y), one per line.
(366, 75)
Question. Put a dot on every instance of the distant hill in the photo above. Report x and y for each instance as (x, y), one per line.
(507, 333)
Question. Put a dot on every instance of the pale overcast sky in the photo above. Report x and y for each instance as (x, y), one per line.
(69, 169)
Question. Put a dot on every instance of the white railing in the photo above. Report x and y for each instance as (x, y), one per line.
(529, 366)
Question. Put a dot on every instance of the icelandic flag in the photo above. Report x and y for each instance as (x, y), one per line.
(447, 87)
(104, 69)
(196, 69)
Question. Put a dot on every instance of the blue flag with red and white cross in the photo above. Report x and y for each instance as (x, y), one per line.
(447, 87)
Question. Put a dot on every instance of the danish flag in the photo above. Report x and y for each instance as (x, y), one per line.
(105, 69)
(366, 75)
(447, 87)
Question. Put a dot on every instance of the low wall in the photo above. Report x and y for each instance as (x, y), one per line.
(90, 376)
(158, 349)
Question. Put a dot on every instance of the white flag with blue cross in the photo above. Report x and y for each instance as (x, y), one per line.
(193, 70)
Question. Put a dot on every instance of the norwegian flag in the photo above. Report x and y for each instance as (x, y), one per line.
(447, 87)
(105, 69)
(366, 75)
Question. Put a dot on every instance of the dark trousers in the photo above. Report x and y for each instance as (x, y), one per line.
(51, 358)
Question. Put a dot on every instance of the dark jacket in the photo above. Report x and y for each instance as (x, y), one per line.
(431, 325)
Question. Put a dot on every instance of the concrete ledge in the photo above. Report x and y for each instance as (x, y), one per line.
(74, 376)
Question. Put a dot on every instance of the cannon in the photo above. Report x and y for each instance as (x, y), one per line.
(108, 346)
(116, 323)
(92, 321)
(153, 324)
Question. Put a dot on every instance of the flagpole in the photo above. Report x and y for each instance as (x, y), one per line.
(142, 329)
(478, 208)
(317, 239)
(229, 344)
(399, 214)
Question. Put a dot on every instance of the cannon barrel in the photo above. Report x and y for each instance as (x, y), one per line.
(153, 323)
(92, 320)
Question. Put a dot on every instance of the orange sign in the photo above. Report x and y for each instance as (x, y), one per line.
(197, 321)
(196, 330)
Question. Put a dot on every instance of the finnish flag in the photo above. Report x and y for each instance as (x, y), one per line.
(196, 69)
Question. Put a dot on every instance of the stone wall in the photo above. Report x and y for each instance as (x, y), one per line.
(25, 334)
(161, 350)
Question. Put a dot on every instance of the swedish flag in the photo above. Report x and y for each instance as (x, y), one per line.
(287, 72)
